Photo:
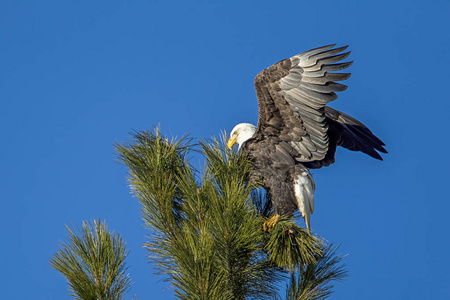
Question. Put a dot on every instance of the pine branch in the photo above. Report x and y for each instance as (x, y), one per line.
(315, 281)
(291, 247)
(174, 210)
(93, 262)
(237, 225)
(155, 165)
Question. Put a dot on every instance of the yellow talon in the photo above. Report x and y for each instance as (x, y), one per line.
(269, 224)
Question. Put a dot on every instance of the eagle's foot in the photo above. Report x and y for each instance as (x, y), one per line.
(269, 224)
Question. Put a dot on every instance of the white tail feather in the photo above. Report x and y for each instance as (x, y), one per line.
(304, 193)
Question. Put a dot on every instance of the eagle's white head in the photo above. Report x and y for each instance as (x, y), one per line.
(241, 133)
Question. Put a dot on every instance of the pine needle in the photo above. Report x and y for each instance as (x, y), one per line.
(93, 262)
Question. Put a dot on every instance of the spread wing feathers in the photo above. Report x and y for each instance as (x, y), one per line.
(292, 95)
(349, 133)
(352, 134)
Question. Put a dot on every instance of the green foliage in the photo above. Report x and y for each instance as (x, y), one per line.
(93, 262)
(206, 231)
(236, 225)
(292, 247)
(205, 227)
(315, 281)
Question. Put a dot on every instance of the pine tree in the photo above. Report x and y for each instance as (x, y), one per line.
(205, 227)
(206, 233)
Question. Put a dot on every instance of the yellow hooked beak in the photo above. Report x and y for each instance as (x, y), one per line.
(232, 141)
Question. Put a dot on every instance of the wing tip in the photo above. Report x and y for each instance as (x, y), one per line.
(375, 154)
(327, 46)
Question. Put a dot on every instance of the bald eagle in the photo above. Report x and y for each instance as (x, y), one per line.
(296, 131)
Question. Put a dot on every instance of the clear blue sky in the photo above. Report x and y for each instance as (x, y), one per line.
(78, 76)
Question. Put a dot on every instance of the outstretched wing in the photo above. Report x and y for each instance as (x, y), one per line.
(347, 132)
(292, 95)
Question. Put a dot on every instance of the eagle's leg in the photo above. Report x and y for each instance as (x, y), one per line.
(269, 224)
